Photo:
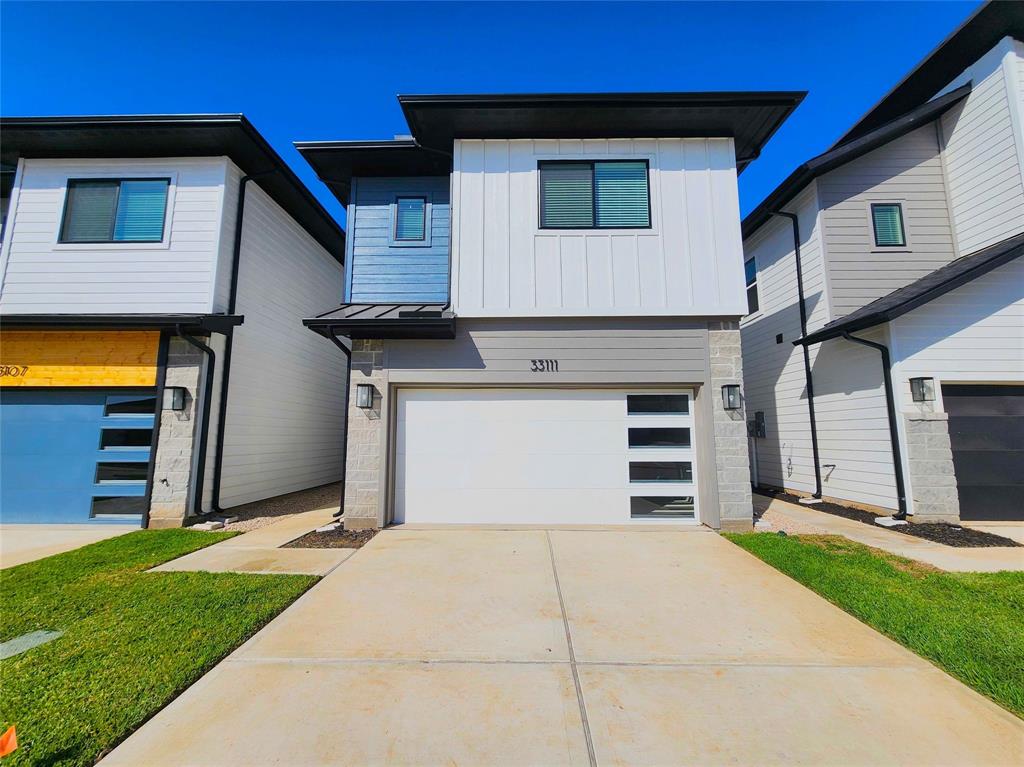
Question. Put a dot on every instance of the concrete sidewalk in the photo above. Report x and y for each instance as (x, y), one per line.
(27, 543)
(259, 551)
(949, 558)
(485, 647)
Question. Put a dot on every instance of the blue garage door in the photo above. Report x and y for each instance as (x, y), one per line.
(74, 455)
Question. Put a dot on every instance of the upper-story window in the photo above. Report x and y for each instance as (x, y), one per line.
(410, 219)
(611, 194)
(750, 269)
(115, 210)
(887, 222)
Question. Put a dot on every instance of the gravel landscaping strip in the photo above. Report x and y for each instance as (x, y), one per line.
(262, 513)
(938, 532)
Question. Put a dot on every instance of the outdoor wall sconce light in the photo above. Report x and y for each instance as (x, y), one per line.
(731, 396)
(174, 398)
(922, 389)
(364, 396)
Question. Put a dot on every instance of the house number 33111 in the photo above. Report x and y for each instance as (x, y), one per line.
(544, 366)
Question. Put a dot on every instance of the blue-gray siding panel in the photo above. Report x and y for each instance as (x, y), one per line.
(380, 270)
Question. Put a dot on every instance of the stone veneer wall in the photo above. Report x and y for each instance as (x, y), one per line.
(172, 472)
(363, 479)
(731, 444)
(930, 465)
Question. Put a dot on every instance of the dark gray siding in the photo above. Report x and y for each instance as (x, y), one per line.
(380, 271)
(607, 351)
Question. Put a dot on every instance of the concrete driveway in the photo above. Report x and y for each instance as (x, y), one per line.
(532, 647)
(26, 543)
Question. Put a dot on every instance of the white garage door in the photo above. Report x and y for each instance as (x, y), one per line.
(544, 456)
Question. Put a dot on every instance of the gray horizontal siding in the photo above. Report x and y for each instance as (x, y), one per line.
(381, 272)
(492, 352)
(907, 170)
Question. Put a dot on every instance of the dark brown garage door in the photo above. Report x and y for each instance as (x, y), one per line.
(986, 430)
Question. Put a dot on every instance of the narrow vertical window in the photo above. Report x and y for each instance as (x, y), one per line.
(750, 269)
(410, 219)
(887, 221)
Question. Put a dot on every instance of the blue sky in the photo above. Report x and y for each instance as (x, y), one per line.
(331, 70)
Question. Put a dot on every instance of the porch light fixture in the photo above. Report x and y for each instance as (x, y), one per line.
(364, 396)
(922, 389)
(174, 398)
(731, 396)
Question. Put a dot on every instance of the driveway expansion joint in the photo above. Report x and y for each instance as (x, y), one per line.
(572, 656)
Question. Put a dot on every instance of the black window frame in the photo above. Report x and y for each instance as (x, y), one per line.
(113, 220)
(593, 192)
(903, 225)
(752, 284)
(394, 231)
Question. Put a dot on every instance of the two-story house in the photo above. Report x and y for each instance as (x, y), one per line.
(153, 276)
(541, 308)
(884, 348)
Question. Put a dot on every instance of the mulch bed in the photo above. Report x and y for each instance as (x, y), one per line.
(334, 539)
(938, 532)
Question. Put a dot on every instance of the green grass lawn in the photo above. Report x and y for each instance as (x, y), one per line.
(970, 624)
(132, 640)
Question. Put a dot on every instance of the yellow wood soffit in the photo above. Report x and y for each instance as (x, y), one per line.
(78, 358)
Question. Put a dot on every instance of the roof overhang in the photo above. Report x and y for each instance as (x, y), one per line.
(823, 163)
(214, 135)
(922, 291)
(386, 321)
(337, 162)
(749, 117)
(968, 43)
(189, 323)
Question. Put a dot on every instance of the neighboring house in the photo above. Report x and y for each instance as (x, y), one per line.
(543, 295)
(910, 237)
(129, 291)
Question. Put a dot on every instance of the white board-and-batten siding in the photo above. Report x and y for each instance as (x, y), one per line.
(41, 275)
(287, 384)
(984, 149)
(689, 263)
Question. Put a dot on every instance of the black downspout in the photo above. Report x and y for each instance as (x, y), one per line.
(344, 426)
(890, 406)
(204, 429)
(808, 378)
(222, 409)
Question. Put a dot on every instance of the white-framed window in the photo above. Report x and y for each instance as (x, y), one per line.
(114, 210)
(887, 225)
(410, 219)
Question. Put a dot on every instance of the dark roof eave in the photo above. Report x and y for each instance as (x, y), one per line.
(421, 328)
(231, 135)
(922, 291)
(834, 158)
(189, 323)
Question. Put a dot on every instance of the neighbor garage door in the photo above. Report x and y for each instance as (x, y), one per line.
(986, 432)
(74, 455)
(544, 456)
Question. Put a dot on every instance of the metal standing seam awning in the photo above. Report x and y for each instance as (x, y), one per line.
(390, 320)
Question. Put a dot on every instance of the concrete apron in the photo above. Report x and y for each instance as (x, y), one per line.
(258, 551)
(27, 543)
(565, 647)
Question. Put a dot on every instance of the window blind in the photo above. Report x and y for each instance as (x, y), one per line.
(410, 218)
(89, 211)
(140, 211)
(567, 195)
(888, 224)
(622, 198)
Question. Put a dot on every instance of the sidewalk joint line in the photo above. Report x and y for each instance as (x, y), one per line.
(572, 656)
